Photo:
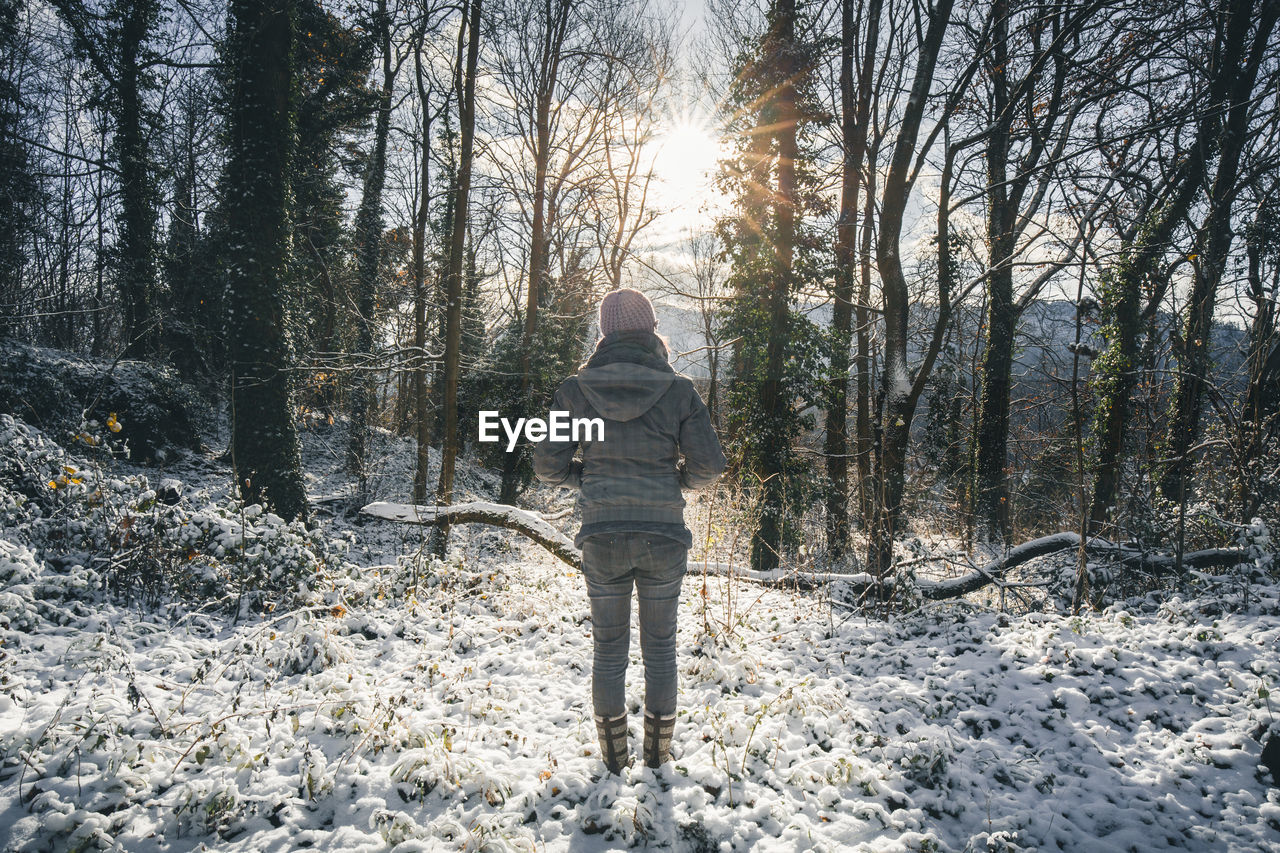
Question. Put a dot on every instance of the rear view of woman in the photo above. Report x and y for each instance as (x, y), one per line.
(657, 439)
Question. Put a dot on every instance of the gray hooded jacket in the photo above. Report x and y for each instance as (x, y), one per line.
(652, 416)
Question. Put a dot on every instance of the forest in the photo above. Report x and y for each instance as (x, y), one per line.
(980, 295)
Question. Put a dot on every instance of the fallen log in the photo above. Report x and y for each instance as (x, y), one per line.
(789, 578)
(522, 521)
(994, 570)
(536, 528)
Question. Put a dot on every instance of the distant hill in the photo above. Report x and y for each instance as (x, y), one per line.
(1045, 332)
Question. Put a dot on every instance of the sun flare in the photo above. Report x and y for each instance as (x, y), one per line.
(685, 163)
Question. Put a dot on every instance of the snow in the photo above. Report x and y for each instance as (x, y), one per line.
(454, 714)
(416, 514)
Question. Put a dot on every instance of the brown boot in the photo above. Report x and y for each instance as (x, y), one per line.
(613, 742)
(657, 738)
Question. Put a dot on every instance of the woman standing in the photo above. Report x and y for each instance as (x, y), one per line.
(633, 530)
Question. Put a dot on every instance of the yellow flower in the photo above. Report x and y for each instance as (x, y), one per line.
(112, 423)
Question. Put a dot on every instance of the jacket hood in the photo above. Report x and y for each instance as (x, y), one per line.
(623, 391)
(627, 375)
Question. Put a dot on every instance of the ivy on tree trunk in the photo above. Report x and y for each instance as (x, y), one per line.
(264, 434)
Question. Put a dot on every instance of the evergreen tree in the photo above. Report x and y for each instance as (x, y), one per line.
(774, 251)
(498, 383)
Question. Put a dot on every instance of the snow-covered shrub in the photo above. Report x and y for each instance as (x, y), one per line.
(52, 389)
(209, 806)
(313, 780)
(1260, 567)
(421, 770)
(18, 567)
(64, 508)
(312, 648)
(924, 762)
(394, 827)
(32, 468)
(1256, 537)
(240, 550)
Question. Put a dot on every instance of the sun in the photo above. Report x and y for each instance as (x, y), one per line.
(684, 163)
(687, 156)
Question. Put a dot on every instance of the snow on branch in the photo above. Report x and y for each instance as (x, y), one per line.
(479, 512)
(993, 570)
(1127, 556)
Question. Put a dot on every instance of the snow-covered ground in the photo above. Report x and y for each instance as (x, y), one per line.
(454, 715)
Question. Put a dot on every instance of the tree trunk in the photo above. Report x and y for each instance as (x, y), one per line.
(497, 515)
(264, 437)
(766, 541)
(457, 250)
(1132, 558)
(1262, 396)
(100, 257)
(855, 118)
(991, 493)
(421, 400)
(17, 186)
(862, 362)
(1114, 374)
(899, 395)
(1216, 235)
(137, 190)
(556, 26)
(368, 227)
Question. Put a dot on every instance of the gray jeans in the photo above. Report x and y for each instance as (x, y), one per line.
(611, 563)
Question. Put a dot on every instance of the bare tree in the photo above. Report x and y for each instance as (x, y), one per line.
(561, 65)
(1041, 82)
(633, 95)
(368, 228)
(116, 47)
(1133, 286)
(899, 391)
(855, 123)
(465, 84)
(1260, 417)
(1213, 243)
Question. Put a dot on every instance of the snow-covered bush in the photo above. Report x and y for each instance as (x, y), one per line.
(31, 590)
(1261, 568)
(209, 807)
(53, 389)
(80, 515)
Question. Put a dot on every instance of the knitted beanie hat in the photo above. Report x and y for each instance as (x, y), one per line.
(626, 310)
